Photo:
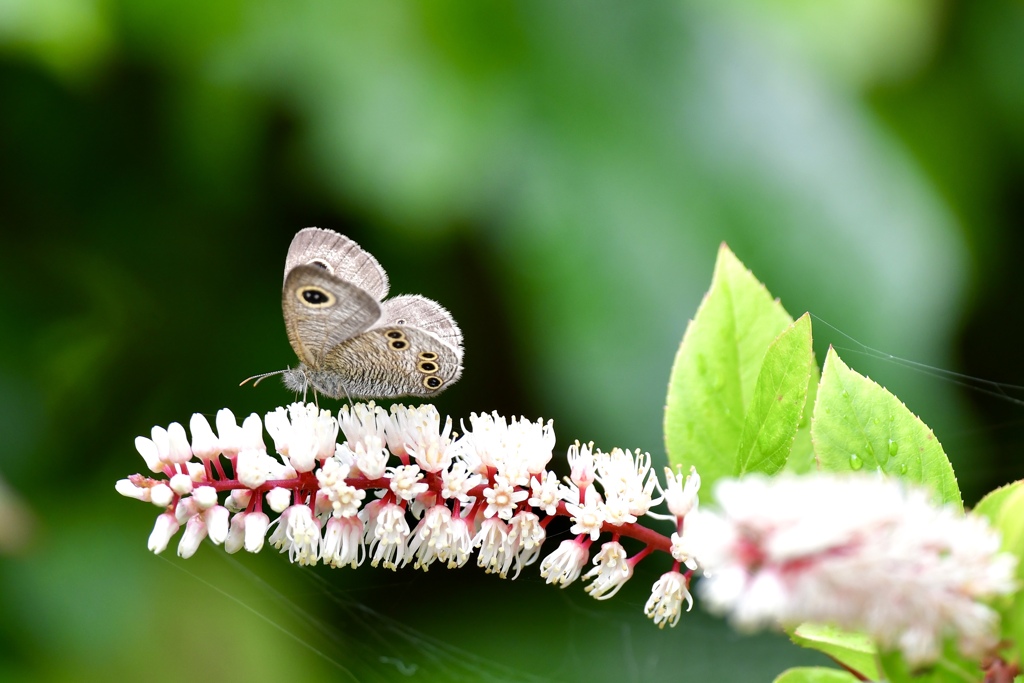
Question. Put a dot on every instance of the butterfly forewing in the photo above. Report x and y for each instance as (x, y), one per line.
(339, 256)
(322, 311)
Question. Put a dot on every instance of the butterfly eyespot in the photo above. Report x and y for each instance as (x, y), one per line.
(428, 355)
(314, 297)
(400, 321)
(427, 367)
(324, 265)
(398, 344)
(432, 382)
(394, 334)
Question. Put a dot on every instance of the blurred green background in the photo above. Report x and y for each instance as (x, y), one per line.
(559, 175)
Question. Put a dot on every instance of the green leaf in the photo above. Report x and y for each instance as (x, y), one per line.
(1004, 509)
(815, 674)
(858, 425)
(853, 650)
(780, 396)
(992, 504)
(801, 456)
(951, 667)
(717, 367)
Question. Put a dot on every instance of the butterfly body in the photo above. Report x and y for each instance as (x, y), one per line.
(350, 342)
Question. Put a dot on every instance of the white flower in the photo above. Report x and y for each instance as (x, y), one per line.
(205, 444)
(196, 471)
(364, 426)
(179, 452)
(185, 509)
(858, 552)
(343, 542)
(149, 451)
(564, 565)
(304, 434)
(250, 469)
(502, 498)
(582, 468)
(588, 517)
(617, 510)
(131, 489)
(515, 448)
(236, 534)
(161, 495)
(528, 449)
(431, 537)
(256, 525)
(417, 432)
(367, 454)
(679, 493)
(492, 539)
(251, 437)
(406, 481)
(390, 535)
(195, 532)
(162, 443)
(344, 499)
(627, 481)
(612, 569)
(545, 493)
(229, 433)
(164, 529)
(216, 519)
(680, 549)
(525, 537)
(238, 500)
(254, 467)
(332, 471)
(460, 545)
(279, 498)
(205, 496)
(458, 481)
(480, 446)
(181, 484)
(298, 533)
(667, 597)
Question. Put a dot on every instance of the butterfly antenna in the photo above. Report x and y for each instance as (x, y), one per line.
(260, 378)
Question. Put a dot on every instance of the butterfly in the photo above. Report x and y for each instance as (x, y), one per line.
(350, 341)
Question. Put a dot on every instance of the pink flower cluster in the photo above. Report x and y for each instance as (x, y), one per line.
(859, 552)
(437, 496)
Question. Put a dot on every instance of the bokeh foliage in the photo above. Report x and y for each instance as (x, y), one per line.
(560, 176)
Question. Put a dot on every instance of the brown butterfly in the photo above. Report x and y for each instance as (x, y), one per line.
(350, 341)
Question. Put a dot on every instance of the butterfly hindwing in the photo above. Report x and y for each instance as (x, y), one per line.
(426, 314)
(393, 360)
